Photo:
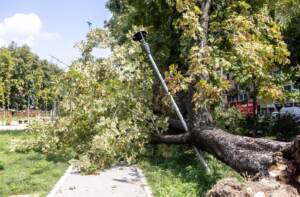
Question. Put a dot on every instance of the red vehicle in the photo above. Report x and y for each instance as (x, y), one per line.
(245, 108)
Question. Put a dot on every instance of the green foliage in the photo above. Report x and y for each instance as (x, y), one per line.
(6, 75)
(41, 140)
(285, 10)
(244, 40)
(285, 127)
(231, 120)
(23, 75)
(105, 105)
(253, 48)
(292, 38)
(157, 16)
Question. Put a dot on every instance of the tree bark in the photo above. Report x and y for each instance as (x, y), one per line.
(254, 107)
(184, 138)
(205, 8)
(244, 154)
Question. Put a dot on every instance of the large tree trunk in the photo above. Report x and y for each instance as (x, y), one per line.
(248, 156)
(244, 154)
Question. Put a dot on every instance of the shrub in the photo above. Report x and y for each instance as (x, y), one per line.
(231, 120)
(285, 127)
(265, 125)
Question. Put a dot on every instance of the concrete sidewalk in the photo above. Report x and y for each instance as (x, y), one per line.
(13, 127)
(120, 181)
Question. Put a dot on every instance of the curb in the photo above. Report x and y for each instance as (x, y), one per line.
(144, 181)
(60, 182)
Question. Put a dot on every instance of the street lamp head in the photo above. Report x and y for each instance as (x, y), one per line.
(139, 36)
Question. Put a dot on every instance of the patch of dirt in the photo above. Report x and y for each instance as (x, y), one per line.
(264, 188)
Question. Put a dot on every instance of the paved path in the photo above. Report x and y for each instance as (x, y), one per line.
(120, 181)
(13, 127)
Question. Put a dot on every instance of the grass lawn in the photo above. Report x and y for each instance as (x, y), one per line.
(179, 174)
(26, 173)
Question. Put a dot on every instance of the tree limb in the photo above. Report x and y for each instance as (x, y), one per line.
(184, 138)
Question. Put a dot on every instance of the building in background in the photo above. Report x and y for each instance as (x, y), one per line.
(241, 99)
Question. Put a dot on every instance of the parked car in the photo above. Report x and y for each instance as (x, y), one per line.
(294, 112)
(275, 114)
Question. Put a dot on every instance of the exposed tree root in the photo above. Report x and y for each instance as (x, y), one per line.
(261, 188)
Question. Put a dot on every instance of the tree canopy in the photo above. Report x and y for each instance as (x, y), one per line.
(243, 38)
(24, 76)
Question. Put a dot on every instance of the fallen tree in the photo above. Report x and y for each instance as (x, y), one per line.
(257, 157)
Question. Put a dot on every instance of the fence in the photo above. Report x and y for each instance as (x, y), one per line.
(10, 116)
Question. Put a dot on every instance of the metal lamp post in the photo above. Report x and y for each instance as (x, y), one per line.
(141, 37)
(29, 92)
(53, 110)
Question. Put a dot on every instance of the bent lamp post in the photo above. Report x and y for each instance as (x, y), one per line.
(141, 37)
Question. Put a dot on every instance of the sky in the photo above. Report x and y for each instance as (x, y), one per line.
(51, 27)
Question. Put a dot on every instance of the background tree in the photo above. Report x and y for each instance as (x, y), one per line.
(24, 76)
(6, 76)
